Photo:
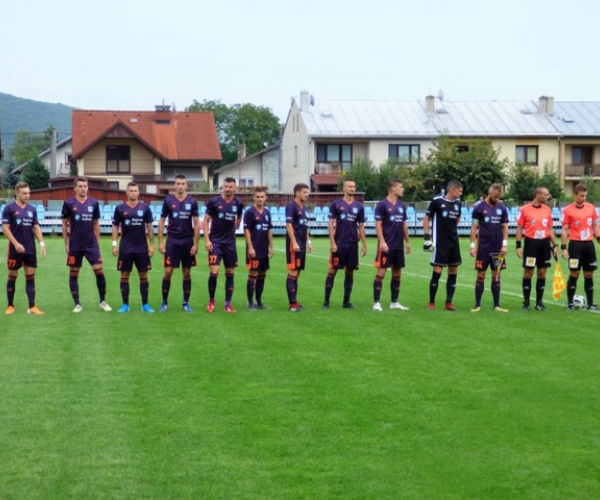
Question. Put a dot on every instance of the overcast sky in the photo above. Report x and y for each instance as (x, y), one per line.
(132, 54)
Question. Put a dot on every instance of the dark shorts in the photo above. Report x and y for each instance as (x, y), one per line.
(227, 253)
(257, 264)
(582, 254)
(346, 257)
(140, 259)
(485, 260)
(17, 260)
(394, 259)
(178, 252)
(92, 255)
(295, 260)
(537, 253)
(446, 256)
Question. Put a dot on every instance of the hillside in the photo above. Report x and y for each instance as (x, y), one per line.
(17, 113)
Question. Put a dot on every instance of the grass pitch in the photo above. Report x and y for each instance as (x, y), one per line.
(349, 404)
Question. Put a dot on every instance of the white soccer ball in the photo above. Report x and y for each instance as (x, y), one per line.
(579, 301)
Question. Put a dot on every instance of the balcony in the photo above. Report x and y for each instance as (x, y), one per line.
(333, 168)
(137, 167)
(584, 170)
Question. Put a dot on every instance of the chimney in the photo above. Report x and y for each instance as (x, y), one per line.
(304, 100)
(430, 104)
(546, 105)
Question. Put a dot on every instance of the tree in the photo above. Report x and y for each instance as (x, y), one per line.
(365, 175)
(36, 174)
(477, 166)
(255, 126)
(27, 145)
(523, 181)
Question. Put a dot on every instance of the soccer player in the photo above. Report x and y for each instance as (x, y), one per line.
(183, 235)
(81, 233)
(391, 226)
(489, 240)
(346, 228)
(534, 224)
(20, 225)
(258, 231)
(580, 227)
(297, 242)
(223, 217)
(134, 219)
(443, 214)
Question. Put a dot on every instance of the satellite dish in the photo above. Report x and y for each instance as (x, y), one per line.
(441, 95)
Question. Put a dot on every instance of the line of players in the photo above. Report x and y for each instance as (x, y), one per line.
(133, 222)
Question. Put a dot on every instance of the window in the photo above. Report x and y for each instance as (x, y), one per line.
(462, 148)
(582, 155)
(527, 155)
(118, 159)
(340, 153)
(406, 153)
(246, 183)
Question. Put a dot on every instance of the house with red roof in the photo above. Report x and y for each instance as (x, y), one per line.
(147, 147)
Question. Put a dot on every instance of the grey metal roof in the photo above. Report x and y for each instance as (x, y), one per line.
(337, 118)
(577, 118)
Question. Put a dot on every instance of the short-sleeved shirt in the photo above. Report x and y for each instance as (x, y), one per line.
(581, 221)
(259, 223)
(81, 216)
(491, 219)
(21, 221)
(180, 214)
(297, 216)
(132, 223)
(224, 215)
(444, 215)
(392, 217)
(536, 221)
(347, 217)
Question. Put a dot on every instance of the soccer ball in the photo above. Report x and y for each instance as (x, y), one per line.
(579, 301)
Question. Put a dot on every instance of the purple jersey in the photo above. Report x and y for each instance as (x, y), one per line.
(180, 214)
(259, 224)
(21, 221)
(81, 217)
(347, 217)
(297, 216)
(490, 218)
(224, 215)
(444, 216)
(132, 223)
(392, 217)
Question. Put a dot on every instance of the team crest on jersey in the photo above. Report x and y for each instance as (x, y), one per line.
(90, 209)
(234, 209)
(499, 211)
(355, 210)
(456, 207)
(29, 214)
(140, 213)
(400, 210)
(188, 206)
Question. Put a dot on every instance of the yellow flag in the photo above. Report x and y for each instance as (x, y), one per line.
(560, 283)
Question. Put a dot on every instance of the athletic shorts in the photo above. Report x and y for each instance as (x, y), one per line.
(394, 259)
(257, 264)
(537, 253)
(227, 253)
(295, 260)
(446, 256)
(177, 251)
(92, 255)
(582, 254)
(346, 257)
(485, 260)
(17, 260)
(141, 260)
